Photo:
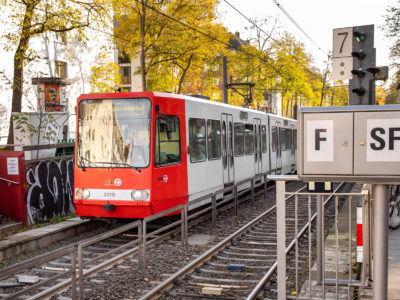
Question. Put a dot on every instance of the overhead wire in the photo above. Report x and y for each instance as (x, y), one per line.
(298, 26)
(205, 34)
(269, 36)
(173, 19)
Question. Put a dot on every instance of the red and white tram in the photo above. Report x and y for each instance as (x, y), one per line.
(140, 153)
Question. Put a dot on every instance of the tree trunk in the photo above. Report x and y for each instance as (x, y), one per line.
(142, 45)
(19, 57)
(323, 88)
(184, 74)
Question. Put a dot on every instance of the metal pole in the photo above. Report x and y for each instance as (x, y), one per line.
(380, 242)
(265, 187)
(80, 272)
(366, 267)
(73, 280)
(252, 190)
(236, 200)
(140, 246)
(320, 233)
(281, 239)
(225, 78)
(144, 237)
(214, 210)
(183, 240)
(186, 225)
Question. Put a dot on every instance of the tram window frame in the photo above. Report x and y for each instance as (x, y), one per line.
(274, 136)
(285, 138)
(158, 142)
(191, 138)
(295, 138)
(264, 139)
(236, 138)
(246, 138)
(218, 142)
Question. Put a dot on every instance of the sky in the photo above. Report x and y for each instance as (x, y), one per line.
(317, 18)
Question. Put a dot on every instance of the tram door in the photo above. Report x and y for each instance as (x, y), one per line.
(257, 146)
(278, 149)
(293, 148)
(227, 148)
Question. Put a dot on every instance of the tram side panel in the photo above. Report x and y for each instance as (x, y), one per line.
(169, 175)
(203, 151)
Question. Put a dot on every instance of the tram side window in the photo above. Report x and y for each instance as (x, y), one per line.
(264, 138)
(274, 139)
(214, 139)
(197, 140)
(287, 139)
(295, 139)
(239, 139)
(167, 145)
(284, 136)
(249, 139)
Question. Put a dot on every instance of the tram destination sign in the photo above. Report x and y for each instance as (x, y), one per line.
(349, 143)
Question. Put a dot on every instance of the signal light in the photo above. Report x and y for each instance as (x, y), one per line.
(359, 72)
(361, 36)
(359, 91)
(359, 54)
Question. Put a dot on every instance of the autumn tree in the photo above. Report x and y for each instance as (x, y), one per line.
(105, 74)
(392, 30)
(35, 17)
(172, 38)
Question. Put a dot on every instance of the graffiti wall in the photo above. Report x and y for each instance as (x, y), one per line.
(50, 190)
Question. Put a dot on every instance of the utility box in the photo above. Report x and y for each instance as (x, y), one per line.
(349, 143)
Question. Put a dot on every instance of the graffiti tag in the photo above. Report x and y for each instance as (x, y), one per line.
(50, 191)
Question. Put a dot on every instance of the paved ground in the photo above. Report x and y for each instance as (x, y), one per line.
(394, 265)
(343, 255)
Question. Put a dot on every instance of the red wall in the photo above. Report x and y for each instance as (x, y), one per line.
(12, 196)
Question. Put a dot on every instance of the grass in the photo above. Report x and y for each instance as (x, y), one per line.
(54, 220)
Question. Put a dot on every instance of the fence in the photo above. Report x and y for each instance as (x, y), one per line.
(335, 240)
(139, 245)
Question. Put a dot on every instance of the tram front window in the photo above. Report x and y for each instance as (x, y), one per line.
(114, 133)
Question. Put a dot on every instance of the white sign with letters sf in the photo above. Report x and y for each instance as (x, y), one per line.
(383, 140)
(320, 140)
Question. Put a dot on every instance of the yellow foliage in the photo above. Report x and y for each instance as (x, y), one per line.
(380, 95)
(105, 75)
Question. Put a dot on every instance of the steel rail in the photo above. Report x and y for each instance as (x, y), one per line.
(273, 268)
(64, 285)
(199, 260)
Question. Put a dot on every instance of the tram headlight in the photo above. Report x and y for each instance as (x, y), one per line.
(142, 195)
(82, 194)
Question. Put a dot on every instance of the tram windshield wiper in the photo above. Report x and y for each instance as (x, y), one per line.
(81, 158)
(119, 164)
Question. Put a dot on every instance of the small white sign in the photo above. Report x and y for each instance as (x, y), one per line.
(12, 166)
(341, 68)
(342, 42)
(320, 140)
(383, 140)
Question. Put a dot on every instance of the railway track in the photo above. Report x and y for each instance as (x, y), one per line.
(232, 269)
(53, 272)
